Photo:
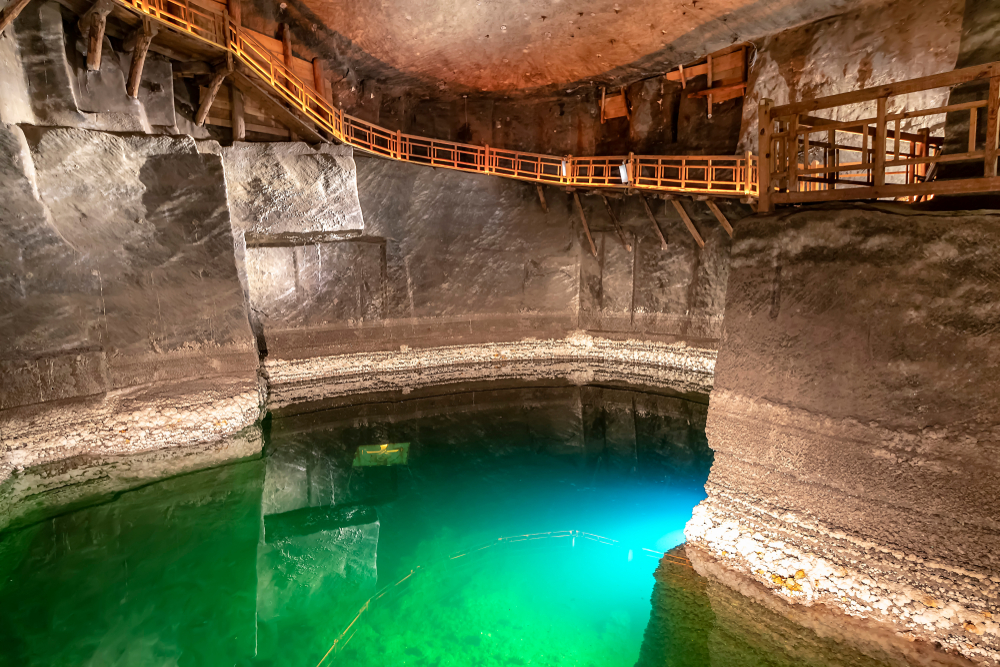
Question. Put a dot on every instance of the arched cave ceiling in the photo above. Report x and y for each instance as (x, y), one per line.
(517, 46)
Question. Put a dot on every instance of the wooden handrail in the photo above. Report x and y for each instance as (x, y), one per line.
(723, 175)
(777, 177)
(943, 80)
(788, 147)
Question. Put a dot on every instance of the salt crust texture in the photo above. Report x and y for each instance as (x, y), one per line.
(580, 358)
(853, 419)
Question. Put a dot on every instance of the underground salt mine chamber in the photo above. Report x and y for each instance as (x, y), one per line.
(445, 334)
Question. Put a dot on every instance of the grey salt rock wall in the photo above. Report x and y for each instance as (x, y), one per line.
(853, 418)
(448, 258)
(124, 270)
(60, 90)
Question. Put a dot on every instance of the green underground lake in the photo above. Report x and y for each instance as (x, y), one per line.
(515, 526)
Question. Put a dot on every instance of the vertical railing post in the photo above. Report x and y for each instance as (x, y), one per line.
(792, 153)
(834, 160)
(992, 124)
(748, 174)
(878, 169)
(922, 151)
(765, 129)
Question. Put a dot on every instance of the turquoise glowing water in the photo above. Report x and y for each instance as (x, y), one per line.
(265, 562)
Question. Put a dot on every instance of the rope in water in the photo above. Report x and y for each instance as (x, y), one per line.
(343, 638)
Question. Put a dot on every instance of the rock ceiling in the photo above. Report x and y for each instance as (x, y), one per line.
(518, 45)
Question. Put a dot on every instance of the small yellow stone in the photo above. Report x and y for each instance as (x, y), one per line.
(801, 574)
(973, 628)
(931, 602)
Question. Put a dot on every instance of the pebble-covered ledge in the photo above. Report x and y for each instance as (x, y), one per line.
(580, 358)
(130, 421)
(805, 562)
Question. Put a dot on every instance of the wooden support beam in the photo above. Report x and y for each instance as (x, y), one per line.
(93, 23)
(957, 187)
(711, 78)
(688, 223)
(319, 78)
(618, 226)
(652, 219)
(878, 172)
(10, 12)
(943, 80)
(235, 11)
(764, 149)
(141, 38)
(248, 81)
(541, 198)
(586, 227)
(720, 217)
(992, 127)
(213, 89)
(238, 115)
(286, 45)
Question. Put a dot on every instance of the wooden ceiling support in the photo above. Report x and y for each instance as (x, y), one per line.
(720, 216)
(541, 198)
(139, 41)
(286, 45)
(205, 103)
(235, 11)
(319, 78)
(618, 226)
(246, 81)
(586, 227)
(615, 106)
(687, 221)
(10, 12)
(652, 219)
(93, 23)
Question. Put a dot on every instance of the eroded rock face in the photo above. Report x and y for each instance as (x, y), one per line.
(60, 90)
(858, 49)
(450, 258)
(291, 187)
(122, 275)
(853, 419)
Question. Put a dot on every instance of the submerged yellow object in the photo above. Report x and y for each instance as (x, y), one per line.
(382, 455)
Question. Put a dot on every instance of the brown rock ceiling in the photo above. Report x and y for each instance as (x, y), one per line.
(521, 45)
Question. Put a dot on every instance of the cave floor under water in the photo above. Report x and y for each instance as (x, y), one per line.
(515, 527)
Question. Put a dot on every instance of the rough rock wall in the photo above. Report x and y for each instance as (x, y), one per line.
(121, 283)
(449, 258)
(61, 92)
(15, 103)
(291, 188)
(871, 45)
(853, 419)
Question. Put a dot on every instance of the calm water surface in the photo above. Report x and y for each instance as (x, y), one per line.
(266, 562)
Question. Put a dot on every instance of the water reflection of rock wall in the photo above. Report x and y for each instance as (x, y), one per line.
(699, 621)
(142, 573)
(610, 430)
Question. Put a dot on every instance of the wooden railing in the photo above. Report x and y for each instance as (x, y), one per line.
(726, 176)
(806, 158)
(811, 159)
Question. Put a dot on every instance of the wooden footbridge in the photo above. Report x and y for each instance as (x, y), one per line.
(859, 151)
